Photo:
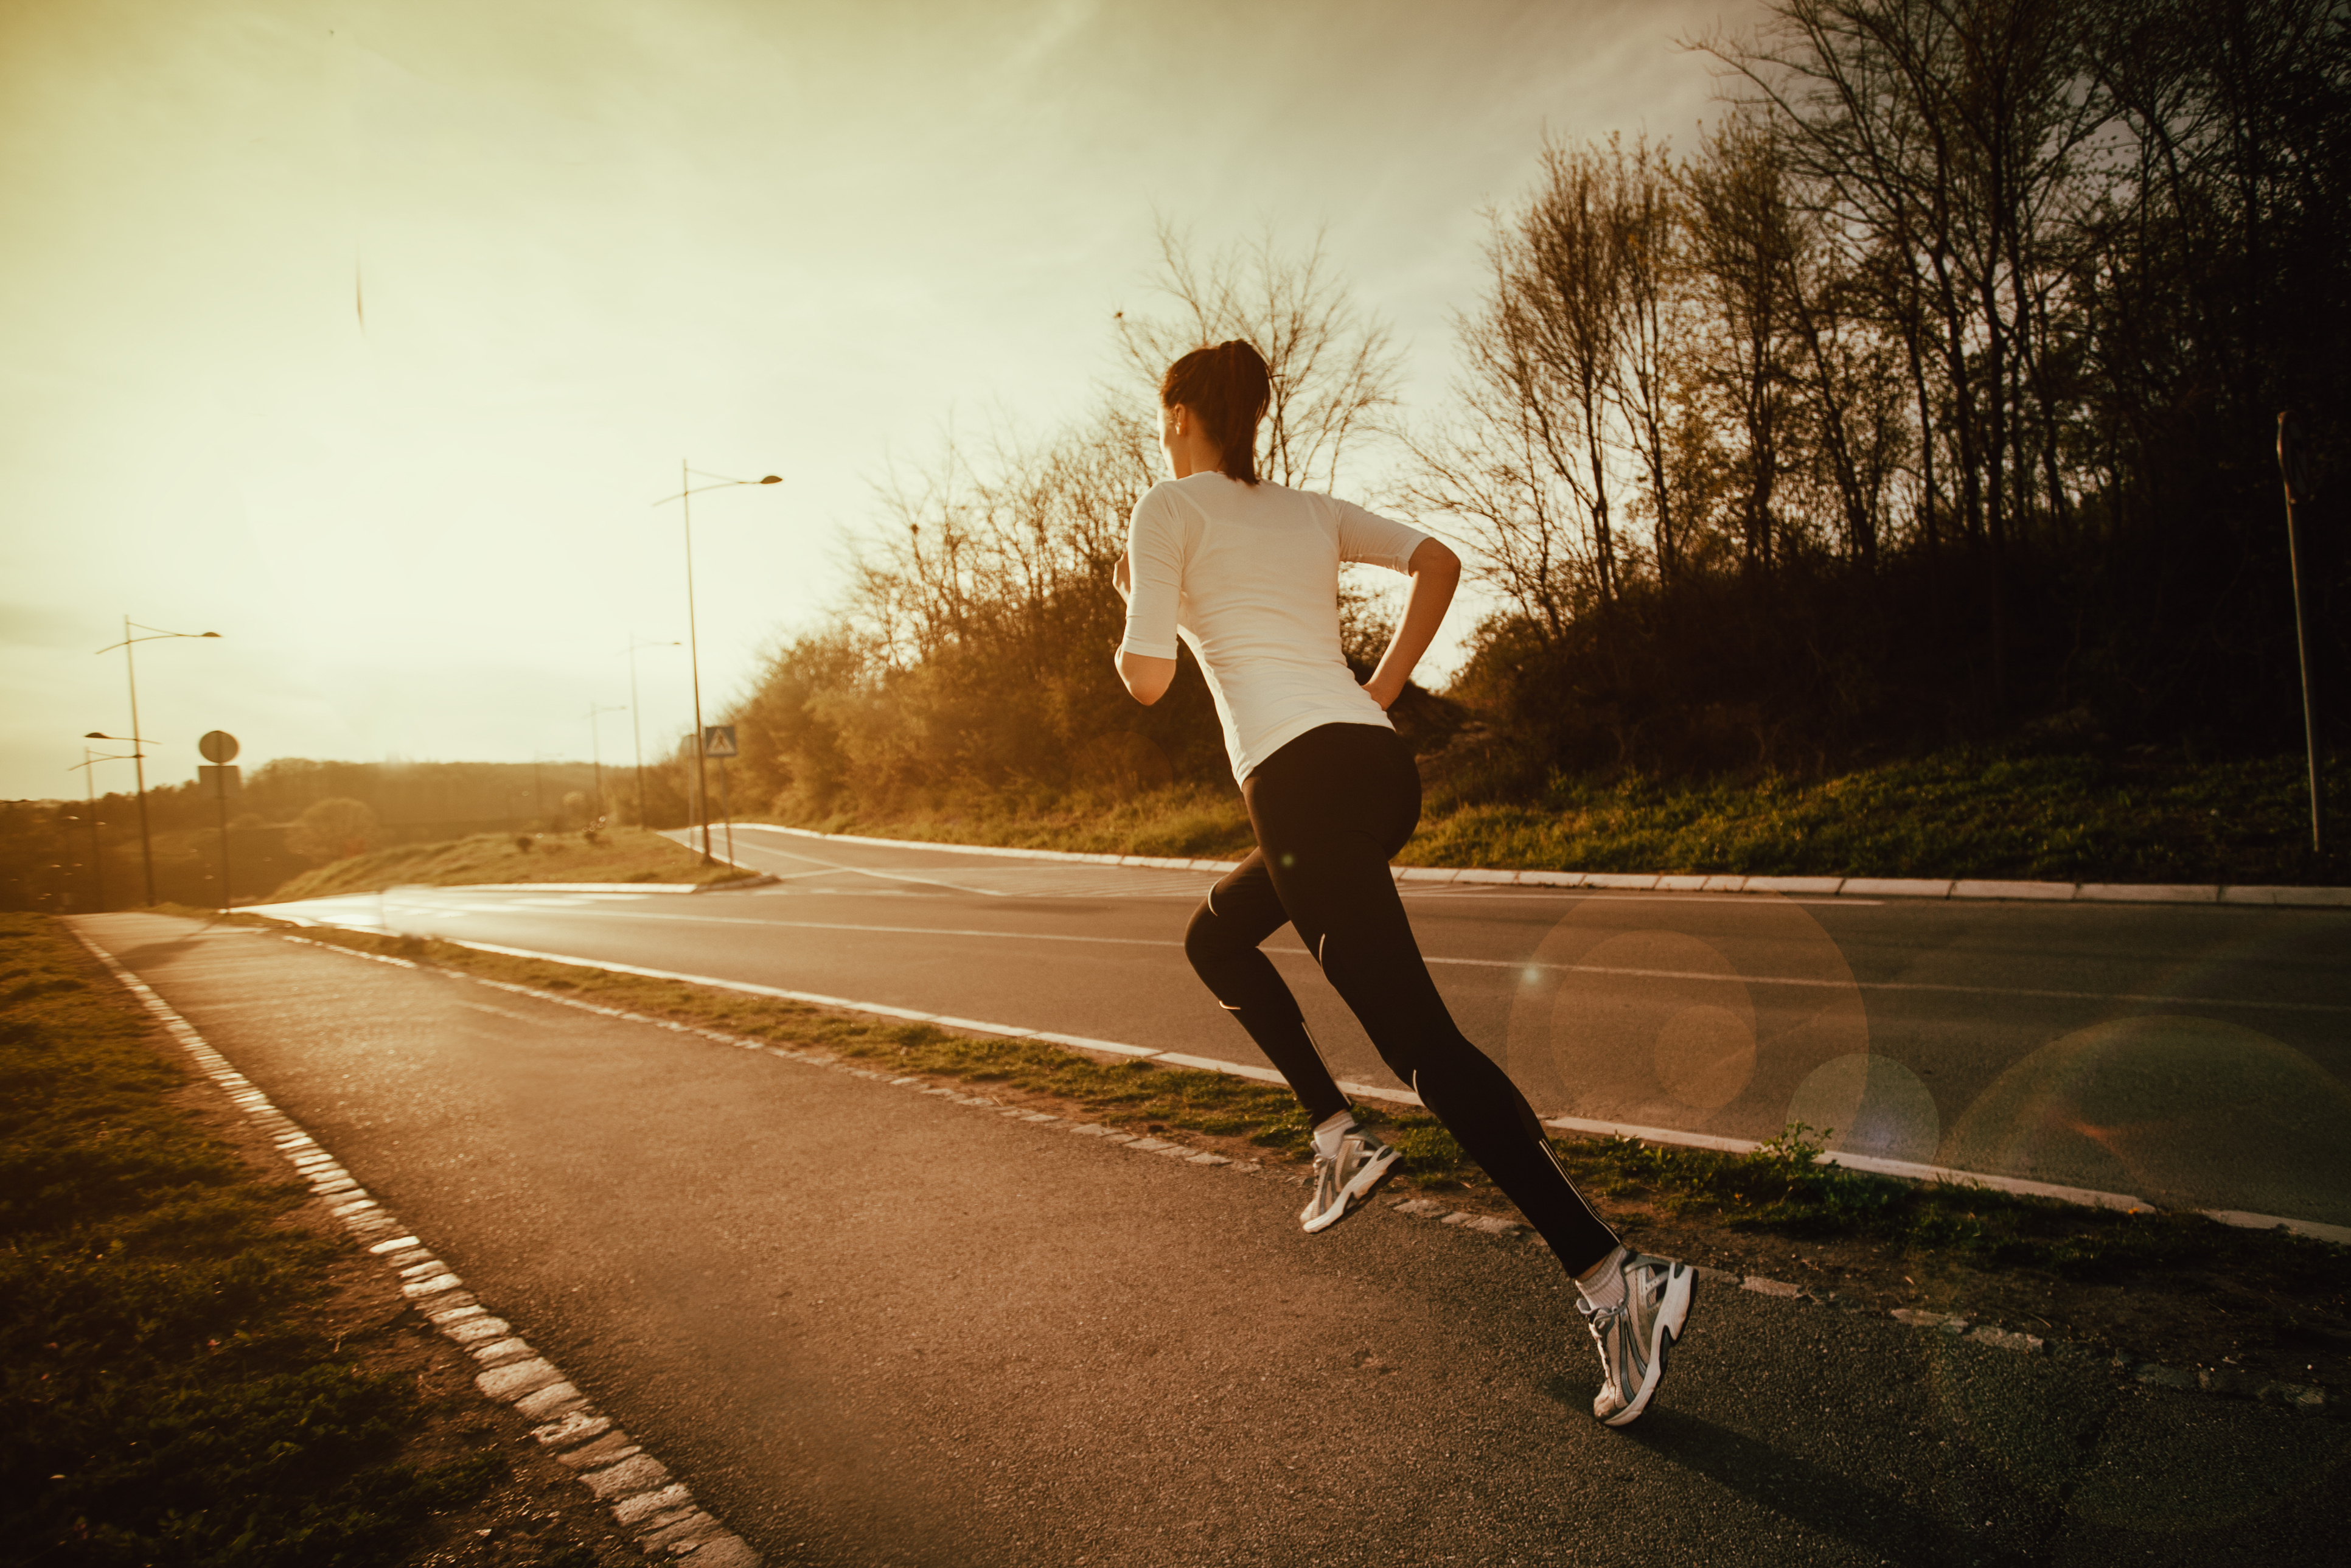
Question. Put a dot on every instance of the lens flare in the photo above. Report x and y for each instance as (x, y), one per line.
(1658, 1027)
(2178, 1109)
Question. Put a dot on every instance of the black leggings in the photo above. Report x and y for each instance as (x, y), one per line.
(1329, 808)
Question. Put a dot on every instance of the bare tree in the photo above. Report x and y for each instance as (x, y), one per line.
(1495, 467)
(1741, 250)
(1952, 132)
(1653, 330)
(1573, 387)
(1335, 368)
(1563, 275)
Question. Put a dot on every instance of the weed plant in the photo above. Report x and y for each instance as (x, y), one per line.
(164, 1399)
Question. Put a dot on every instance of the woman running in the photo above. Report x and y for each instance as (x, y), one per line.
(1245, 573)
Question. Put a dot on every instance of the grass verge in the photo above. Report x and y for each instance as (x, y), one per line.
(2158, 1280)
(1986, 814)
(1189, 822)
(617, 854)
(1958, 814)
(168, 1396)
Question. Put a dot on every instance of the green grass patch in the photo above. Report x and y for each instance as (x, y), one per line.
(1965, 813)
(162, 1399)
(1779, 1189)
(1185, 821)
(1957, 814)
(615, 854)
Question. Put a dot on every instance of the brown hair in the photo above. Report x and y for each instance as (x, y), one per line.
(1228, 387)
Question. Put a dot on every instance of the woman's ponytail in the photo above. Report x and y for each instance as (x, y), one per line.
(1229, 389)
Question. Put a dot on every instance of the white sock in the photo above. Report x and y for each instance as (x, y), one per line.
(1330, 1131)
(1602, 1284)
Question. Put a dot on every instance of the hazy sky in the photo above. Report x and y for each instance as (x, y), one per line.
(592, 238)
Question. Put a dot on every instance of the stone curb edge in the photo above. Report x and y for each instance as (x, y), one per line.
(2300, 1397)
(657, 1509)
(1653, 882)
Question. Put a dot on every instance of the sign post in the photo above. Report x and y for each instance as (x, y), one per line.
(718, 743)
(2293, 466)
(220, 748)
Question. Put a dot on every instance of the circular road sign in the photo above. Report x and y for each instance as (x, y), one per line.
(218, 746)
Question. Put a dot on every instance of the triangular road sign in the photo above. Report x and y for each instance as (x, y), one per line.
(718, 740)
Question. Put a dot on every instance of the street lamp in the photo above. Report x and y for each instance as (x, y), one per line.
(134, 754)
(154, 634)
(596, 749)
(687, 486)
(89, 786)
(2294, 468)
(637, 724)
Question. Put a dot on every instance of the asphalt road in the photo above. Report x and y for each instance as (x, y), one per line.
(2193, 1056)
(869, 1326)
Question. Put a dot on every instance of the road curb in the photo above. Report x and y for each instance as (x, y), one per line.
(1946, 889)
(657, 1511)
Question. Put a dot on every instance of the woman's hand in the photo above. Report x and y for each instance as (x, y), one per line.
(1121, 578)
(1384, 689)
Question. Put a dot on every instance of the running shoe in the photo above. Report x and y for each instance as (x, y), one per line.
(1636, 1335)
(1362, 1163)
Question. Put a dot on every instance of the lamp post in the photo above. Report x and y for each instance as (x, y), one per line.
(596, 749)
(89, 788)
(134, 754)
(637, 724)
(154, 634)
(2300, 484)
(687, 487)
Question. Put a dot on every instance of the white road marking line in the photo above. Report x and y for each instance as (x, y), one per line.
(513, 1373)
(881, 876)
(1923, 987)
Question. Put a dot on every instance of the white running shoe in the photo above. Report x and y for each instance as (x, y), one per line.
(1637, 1336)
(1362, 1163)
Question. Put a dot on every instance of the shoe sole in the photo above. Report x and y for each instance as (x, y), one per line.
(1370, 1176)
(1682, 1288)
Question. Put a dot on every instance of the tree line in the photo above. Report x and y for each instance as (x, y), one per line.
(291, 814)
(1929, 397)
(1934, 397)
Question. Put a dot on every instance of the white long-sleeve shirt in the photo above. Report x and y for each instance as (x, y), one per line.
(1249, 577)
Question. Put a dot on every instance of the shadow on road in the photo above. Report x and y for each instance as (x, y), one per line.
(1817, 1499)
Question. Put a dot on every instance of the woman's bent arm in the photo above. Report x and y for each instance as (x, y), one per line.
(1436, 574)
(1147, 678)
